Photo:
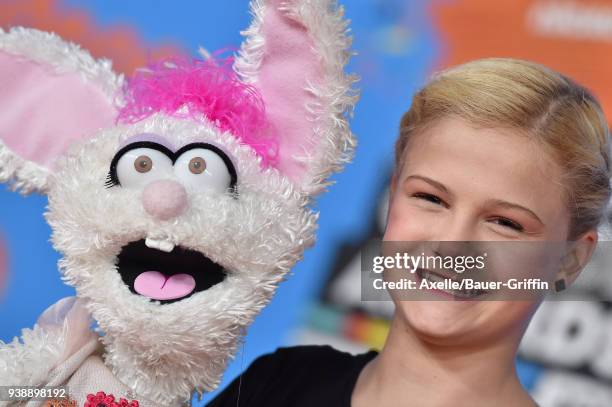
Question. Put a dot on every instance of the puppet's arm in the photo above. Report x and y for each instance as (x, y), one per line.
(38, 358)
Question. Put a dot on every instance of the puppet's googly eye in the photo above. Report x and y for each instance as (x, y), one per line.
(197, 165)
(139, 166)
(203, 168)
(143, 163)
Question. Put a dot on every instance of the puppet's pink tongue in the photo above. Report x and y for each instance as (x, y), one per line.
(157, 286)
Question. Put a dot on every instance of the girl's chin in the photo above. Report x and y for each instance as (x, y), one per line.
(463, 322)
(446, 320)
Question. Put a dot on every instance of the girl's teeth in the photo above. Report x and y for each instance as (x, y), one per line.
(458, 293)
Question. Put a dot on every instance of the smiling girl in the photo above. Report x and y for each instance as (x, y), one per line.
(492, 150)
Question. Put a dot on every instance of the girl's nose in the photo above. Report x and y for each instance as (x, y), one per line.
(164, 199)
(456, 228)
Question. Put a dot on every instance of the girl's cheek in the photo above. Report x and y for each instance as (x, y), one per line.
(408, 223)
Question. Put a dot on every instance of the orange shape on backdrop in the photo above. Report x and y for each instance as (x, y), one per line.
(572, 37)
(355, 327)
(120, 44)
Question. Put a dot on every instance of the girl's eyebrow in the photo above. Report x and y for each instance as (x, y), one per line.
(430, 181)
(147, 137)
(510, 205)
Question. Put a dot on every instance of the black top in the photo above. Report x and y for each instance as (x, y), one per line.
(300, 376)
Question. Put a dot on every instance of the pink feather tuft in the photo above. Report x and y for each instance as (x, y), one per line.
(205, 87)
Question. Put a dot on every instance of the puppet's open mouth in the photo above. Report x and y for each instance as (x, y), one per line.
(166, 276)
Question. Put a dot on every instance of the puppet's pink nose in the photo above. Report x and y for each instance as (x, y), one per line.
(164, 199)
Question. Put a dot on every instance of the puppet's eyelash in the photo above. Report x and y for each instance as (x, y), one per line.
(110, 181)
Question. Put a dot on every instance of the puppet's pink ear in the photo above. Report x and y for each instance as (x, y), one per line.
(52, 93)
(295, 52)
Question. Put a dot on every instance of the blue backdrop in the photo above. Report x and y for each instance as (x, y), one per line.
(397, 47)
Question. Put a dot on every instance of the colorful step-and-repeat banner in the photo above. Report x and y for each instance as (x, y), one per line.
(566, 356)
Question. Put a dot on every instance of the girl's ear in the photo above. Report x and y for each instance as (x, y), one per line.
(295, 53)
(52, 93)
(578, 256)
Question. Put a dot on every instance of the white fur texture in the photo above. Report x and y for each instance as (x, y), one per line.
(21, 175)
(63, 57)
(27, 361)
(334, 95)
(164, 352)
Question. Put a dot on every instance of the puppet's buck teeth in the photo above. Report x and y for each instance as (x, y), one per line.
(162, 245)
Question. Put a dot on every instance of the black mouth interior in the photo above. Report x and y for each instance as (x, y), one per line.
(136, 258)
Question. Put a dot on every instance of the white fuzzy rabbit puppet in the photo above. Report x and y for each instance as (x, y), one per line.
(178, 198)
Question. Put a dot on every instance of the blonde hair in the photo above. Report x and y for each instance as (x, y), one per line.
(551, 109)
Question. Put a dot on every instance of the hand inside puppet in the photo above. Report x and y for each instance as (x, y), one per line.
(178, 198)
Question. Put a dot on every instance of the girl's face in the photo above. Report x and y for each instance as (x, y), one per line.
(461, 183)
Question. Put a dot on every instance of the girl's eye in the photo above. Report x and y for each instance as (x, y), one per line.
(428, 197)
(510, 224)
(501, 221)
